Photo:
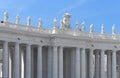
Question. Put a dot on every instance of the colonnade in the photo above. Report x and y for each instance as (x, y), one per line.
(87, 62)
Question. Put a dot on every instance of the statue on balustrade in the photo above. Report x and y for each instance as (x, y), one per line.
(66, 21)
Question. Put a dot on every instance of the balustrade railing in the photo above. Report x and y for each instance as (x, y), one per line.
(60, 31)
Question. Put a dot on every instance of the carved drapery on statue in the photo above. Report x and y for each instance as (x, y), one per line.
(65, 23)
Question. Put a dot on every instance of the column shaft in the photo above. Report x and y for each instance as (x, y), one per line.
(109, 65)
(114, 72)
(102, 72)
(5, 67)
(39, 62)
(91, 63)
(55, 62)
(49, 62)
(77, 62)
(61, 62)
(22, 64)
(17, 62)
(28, 62)
(72, 62)
(83, 72)
(10, 63)
(97, 62)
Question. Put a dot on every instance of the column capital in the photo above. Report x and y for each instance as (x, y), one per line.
(77, 50)
(82, 48)
(102, 50)
(28, 44)
(17, 42)
(114, 50)
(108, 51)
(40, 45)
(55, 46)
(77, 47)
(92, 49)
(5, 41)
(97, 53)
(61, 46)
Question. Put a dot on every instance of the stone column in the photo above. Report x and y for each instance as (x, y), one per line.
(28, 61)
(32, 61)
(17, 62)
(61, 62)
(114, 72)
(55, 62)
(5, 66)
(39, 62)
(91, 63)
(83, 72)
(22, 63)
(72, 62)
(77, 62)
(49, 62)
(102, 61)
(97, 69)
(109, 65)
(10, 63)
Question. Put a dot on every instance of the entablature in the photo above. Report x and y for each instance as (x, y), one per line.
(62, 35)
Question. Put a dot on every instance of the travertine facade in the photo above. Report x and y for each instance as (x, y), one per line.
(59, 52)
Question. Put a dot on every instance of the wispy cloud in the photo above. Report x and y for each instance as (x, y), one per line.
(75, 5)
(15, 6)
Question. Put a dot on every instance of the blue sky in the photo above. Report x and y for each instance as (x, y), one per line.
(95, 12)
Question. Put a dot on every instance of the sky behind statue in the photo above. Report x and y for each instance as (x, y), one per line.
(95, 12)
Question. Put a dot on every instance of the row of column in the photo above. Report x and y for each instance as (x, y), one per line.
(100, 64)
(57, 69)
(96, 74)
(17, 67)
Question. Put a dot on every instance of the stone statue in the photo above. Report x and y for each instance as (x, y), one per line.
(102, 29)
(66, 20)
(40, 22)
(91, 28)
(113, 29)
(83, 26)
(77, 25)
(28, 21)
(55, 23)
(6, 16)
(17, 19)
(61, 24)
